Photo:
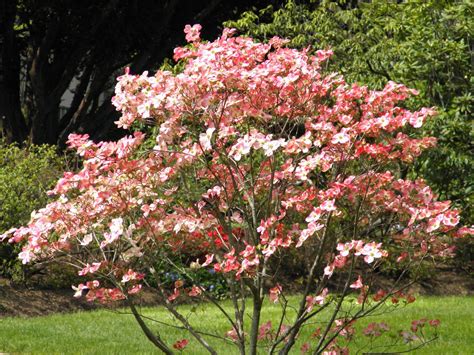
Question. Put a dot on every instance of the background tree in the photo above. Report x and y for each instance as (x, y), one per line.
(427, 46)
(49, 47)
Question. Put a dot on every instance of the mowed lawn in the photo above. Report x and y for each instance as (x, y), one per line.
(109, 332)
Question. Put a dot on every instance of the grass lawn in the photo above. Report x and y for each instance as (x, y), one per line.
(107, 332)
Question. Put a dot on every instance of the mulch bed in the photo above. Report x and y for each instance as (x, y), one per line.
(28, 302)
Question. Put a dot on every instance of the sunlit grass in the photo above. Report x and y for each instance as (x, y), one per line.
(108, 332)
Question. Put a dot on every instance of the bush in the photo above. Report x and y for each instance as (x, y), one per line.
(25, 176)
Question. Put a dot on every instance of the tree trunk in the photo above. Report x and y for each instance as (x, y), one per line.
(257, 310)
(45, 126)
(13, 125)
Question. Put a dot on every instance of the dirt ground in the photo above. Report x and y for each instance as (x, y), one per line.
(28, 302)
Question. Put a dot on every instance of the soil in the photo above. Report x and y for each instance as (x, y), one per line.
(27, 302)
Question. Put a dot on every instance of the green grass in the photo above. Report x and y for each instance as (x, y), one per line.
(107, 332)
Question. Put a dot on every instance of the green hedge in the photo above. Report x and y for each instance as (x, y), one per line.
(26, 173)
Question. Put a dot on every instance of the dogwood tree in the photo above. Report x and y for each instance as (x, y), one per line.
(258, 154)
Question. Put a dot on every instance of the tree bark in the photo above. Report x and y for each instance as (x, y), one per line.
(13, 125)
(63, 40)
(254, 330)
(47, 91)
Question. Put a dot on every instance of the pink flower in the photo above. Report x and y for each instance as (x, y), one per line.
(77, 140)
(306, 233)
(463, 231)
(357, 284)
(265, 330)
(174, 295)
(408, 336)
(323, 55)
(358, 246)
(417, 324)
(275, 293)
(208, 261)
(320, 299)
(373, 330)
(340, 261)
(135, 289)
(402, 257)
(181, 344)
(86, 240)
(166, 173)
(195, 291)
(79, 290)
(228, 32)
(371, 252)
(451, 218)
(131, 275)
(344, 249)
(90, 269)
(340, 138)
(8, 233)
(277, 42)
(270, 147)
(242, 147)
(314, 215)
(205, 139)
(25, 256)
(181, 52)
(116, 230)
(305, 348)
(328, 270)
(379, 295)
(434, 223)
(328, 206)
(193, 33)
(232, 334)
(114, 294)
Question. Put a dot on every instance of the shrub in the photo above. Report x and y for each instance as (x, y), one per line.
(254, 143)
(25, 176)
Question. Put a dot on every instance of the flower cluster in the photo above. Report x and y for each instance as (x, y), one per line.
(370, 251)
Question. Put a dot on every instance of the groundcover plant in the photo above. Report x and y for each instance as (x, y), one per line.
(259, 155)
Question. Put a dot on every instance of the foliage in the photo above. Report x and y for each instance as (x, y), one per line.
(426, 46)
(25, 176)
(112, 332)
(257, 152)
